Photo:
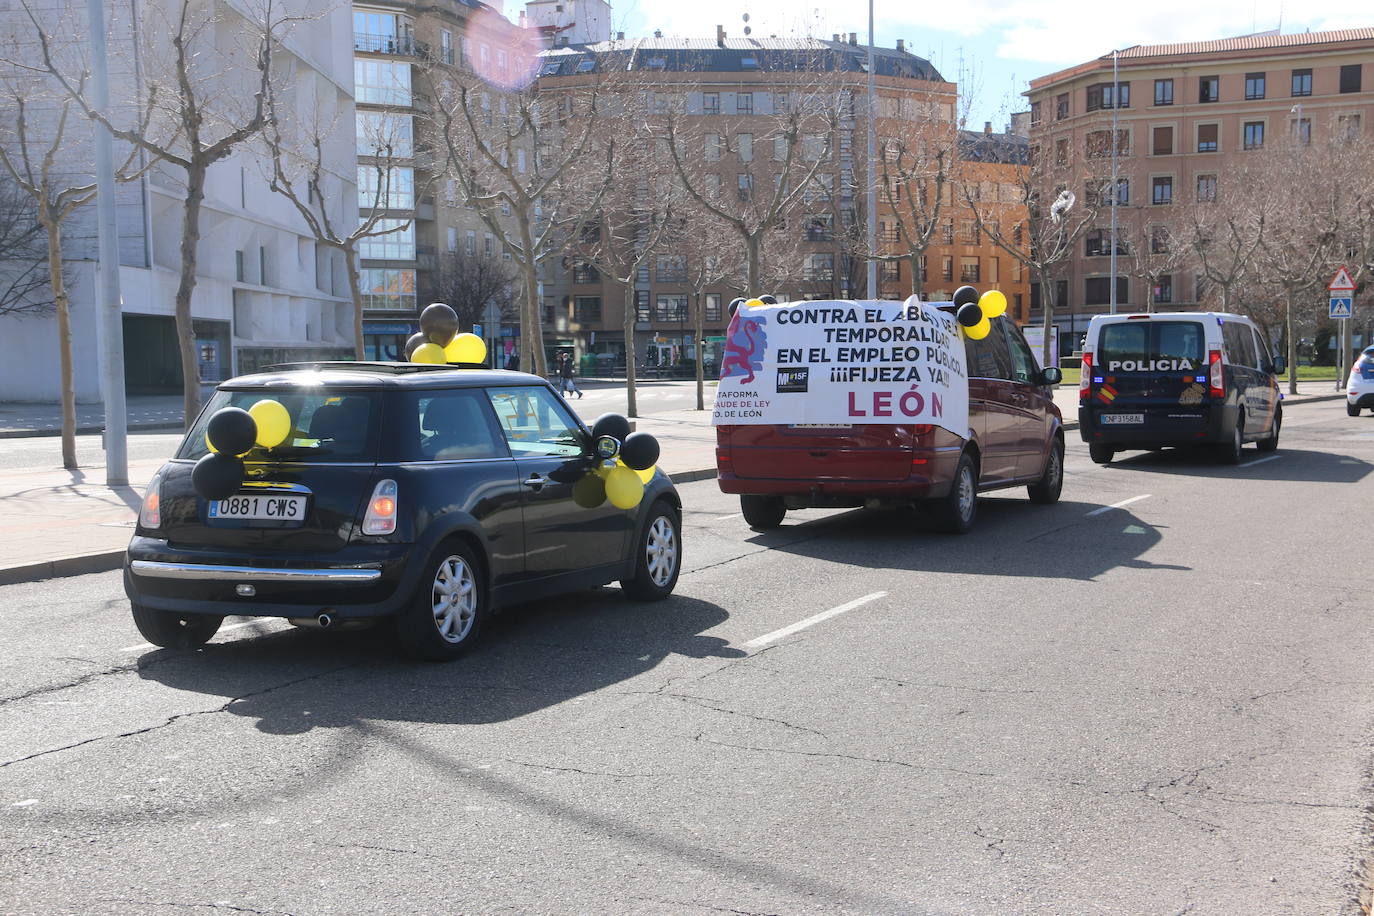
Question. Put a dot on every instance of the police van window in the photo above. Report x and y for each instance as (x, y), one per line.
(1023, 365)
(535, 423)
(1240, 344)
(1262, 350)
(1150, 346)
(988, 358)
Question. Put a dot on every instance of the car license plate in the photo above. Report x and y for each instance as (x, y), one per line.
(1121, 419)
(821, 426)
(260, 508)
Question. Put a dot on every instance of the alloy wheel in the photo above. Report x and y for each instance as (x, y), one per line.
(454, 599)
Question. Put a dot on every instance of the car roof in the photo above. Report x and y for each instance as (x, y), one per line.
(377, 375)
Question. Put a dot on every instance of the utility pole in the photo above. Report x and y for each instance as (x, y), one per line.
(109, 327)
(1115, 192)
(871, 201)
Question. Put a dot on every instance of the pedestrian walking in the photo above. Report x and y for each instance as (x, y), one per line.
(565, 372)
(513, 363)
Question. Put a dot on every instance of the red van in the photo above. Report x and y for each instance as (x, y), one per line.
(1016, 438)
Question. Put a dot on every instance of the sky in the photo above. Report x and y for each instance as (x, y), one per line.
(993, 48)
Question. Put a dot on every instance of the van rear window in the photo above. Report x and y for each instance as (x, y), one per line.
(325, 425)
(1151, 346)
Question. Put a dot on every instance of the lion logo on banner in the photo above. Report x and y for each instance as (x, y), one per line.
(744, 347)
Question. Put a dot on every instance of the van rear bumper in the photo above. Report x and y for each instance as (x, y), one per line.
(1163, 426)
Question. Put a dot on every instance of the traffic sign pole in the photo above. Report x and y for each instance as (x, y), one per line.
(1342, 290)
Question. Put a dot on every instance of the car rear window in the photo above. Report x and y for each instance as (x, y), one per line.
(1145, 346)
(325, 425)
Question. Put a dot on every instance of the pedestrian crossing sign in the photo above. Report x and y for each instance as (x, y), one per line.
(1341, 306)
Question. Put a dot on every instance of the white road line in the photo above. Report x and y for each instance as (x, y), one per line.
(238, 626)
(800, 625)
(1250, 464)
(1124, 502)
(726, 518)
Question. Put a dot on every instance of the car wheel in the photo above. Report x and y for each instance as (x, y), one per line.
(1272, 442)
(1101, 454)
(442, 620)
(762, 512)
(1351, 410)
(1046, 490)
(1230, 452)
(175, 631)
(658, 555)
(955, 513)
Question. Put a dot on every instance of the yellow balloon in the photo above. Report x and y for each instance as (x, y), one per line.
(754, 304)
(993, 303)
(647, 474)
(428, 353)
(624, 488)
(274, 422)
(979, 330)
(466, 348)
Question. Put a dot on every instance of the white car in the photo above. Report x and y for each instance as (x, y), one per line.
(1359, 388)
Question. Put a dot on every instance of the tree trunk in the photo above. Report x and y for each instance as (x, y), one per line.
(1047, 305)
(64, 340)
(700, 331)
(531, 332)
(356, 291)
(914, 258)
(632, 409)
(186, 337)
(1292, 346)
(751, 244)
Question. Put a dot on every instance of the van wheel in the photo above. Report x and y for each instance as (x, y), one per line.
(762, 512)
(658, 556)
(1230, 452)
(1101, 454)
(175, 631)
(446, 613)
(1046, 490)
(1272, 442)
(1351, 410)
(954, 513)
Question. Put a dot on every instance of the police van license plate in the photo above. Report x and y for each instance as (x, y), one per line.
(1121, 419)
(260, 508)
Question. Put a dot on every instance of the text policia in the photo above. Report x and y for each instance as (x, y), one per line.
(843, 361)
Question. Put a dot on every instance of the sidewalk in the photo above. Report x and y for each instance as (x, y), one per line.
(62, 523)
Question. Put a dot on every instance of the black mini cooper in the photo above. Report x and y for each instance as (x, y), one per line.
(430, 495)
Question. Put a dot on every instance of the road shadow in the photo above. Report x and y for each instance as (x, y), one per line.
(1011, 537)
(1289, 464)
(528, 659)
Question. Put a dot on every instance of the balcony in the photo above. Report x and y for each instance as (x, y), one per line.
(399, 45)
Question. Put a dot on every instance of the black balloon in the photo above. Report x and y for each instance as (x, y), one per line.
(768, 300)
(969, 314)
(734, 306)
(590, 491)
(613, 425)
(232, 431)
(639, 451)
(439, 323)
(413, 343)
(217, 476)
(964, 295)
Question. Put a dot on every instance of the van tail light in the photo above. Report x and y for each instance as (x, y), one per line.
(381, 509)
(1085, 377)
(150, 513)
(1216, 381)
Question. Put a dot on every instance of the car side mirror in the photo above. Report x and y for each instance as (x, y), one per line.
(1280, 365)
(1051, 376)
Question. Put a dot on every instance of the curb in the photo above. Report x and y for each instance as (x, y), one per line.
(81, 431)
(63, 566)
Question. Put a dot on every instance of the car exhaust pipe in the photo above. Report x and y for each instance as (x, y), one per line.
(325, 621)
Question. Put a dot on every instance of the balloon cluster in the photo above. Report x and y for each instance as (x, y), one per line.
(231, 433)
(975, 313)
(752, 303)
(440, 343)
(621, 476)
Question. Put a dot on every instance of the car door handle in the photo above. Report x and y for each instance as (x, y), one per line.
(535, 482)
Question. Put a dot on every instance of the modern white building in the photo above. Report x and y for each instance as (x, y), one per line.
(568, 22)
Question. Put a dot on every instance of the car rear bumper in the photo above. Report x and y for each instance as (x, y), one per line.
(361, 580)
(1170, 425)
(929, 479)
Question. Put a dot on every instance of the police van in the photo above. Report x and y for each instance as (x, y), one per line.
(1181, 379)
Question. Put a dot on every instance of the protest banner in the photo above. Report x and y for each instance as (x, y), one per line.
(842, 362)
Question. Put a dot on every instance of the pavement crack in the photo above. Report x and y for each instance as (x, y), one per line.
(938, 686)
(198, 906)
(705, 703)
(707, 906)
(558, 769)
(994, 844)
(881, 761)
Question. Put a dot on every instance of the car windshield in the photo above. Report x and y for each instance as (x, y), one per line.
(325, 425)
(1144, 345)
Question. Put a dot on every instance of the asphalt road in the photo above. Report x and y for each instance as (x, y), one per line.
(1160, 708)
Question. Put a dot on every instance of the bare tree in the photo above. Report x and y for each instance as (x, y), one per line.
(915, 175)
(191, 118)
(1224, 235)
(471, 282)
(23, 252)
(709, 264)
(1151, 254)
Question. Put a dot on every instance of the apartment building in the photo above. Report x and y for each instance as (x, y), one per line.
(730, 95)
(1187, 115)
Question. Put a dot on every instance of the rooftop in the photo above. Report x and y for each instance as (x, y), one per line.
(1256, 42)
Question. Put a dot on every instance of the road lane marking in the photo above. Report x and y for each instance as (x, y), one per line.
(800, 625)
(238, 626)
(1124, 502)
(1250, 464)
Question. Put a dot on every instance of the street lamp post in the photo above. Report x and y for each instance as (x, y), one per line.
(1115, 191)
(871, 201)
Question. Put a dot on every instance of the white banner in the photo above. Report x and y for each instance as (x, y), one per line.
(843, 362)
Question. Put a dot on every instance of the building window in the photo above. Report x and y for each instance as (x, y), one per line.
(1347, 126)
(713, 145)
(1097, 290)
(744, 144)
(820, 227)
(1162, 191)
(452, 238)
(1104, 95)
(397, 244)
(1207, 138)
(1206, 188)
(1097, 244)
(1253, 135)
(745, 185)
(820, 267)
(947, 268)
(1302, 82)
(672, 268)
(470, 243)
(642, 315)
(671, 308)
(488, 245)
(1254, 86)
(1099, 143)
(384, 135)
(712, 186)
(744, 103)
(587, 309)
(387, 288)
(1164, 92)
(1163, 141)
(381, 82)
(713, 312)
(1099, 193)
(1164, 289)
(1350, 78)
(585, 273)
(779, 149)
(969, 271)
(890, 271)
(968, 232)
(1208, 88)
(1035, 112)
(947, 232)
(1061, 107)
(1061, 153)
(446, 46)
(710, 103)
(1302, 129)
(385, 189)
(1159, 240)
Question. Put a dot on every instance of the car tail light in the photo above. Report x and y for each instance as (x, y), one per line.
(150, 514)
(381, 509)
(1216, 381)
(1086, 377)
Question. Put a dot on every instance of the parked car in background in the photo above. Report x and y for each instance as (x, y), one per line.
(1359, 388)
(425, 496)
(1182, 379)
